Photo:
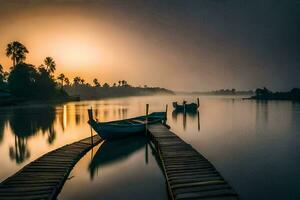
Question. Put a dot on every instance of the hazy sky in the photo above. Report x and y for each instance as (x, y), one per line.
(178, 44)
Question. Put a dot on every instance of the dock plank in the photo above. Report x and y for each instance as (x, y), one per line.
(189, 174)
(44, 177)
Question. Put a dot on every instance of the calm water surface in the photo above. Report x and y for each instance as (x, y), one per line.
(255, 145)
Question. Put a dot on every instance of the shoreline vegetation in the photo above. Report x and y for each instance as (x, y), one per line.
(266, 94)
(25, 83)
(89, 92)
(225, 92)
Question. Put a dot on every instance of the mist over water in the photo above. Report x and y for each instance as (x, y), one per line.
(252, 143)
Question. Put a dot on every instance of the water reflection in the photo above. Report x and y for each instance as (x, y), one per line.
(23, 124)
(19, 152)
(3, 122)
(115, 151)
(26, 123)
(227, 139)
(187, 114)
(262, 114)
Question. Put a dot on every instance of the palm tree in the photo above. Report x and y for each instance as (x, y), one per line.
(82, 81)
(105, 85)
(6, 74)
(67, 81)
(76, 80)
(124, 83)
(96, 82)
(50, 64)
(61, 77)
(17, 51)
(2, 77)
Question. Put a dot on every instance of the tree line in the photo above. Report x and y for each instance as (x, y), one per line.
(266, 94)
(28, 81)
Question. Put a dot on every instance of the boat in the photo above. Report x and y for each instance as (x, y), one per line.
(186, 107)
(124, 128)
(114, 151)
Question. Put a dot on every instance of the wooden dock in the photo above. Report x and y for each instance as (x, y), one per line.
(188, 174)
(44, 177)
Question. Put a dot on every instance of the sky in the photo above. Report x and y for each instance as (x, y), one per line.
(183, 45)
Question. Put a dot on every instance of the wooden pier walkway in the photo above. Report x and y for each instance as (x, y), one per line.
(44, 177)
(188, 174)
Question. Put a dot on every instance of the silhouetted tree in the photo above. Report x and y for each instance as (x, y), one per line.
(67, 81)
(76, 80)
(17, 52)
(6, 74)
(2, 76)
(96, 83)
(61, 78)
(120, 82)
(45, 84)
(263, 93)
(82, 81)
(124, 83)
(105, 85)
(295, 93)
(50, 64)
(21, 80)
(258, 92)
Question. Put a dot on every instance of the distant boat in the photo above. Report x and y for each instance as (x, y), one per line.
(124, 128)
(186, 107)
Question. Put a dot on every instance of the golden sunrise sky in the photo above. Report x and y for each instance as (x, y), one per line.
(180, 45)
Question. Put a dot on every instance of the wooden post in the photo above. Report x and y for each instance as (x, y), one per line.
(146, 153)
(183, 106)
(184, 120)
(198, 120)
(166, 114)
(92, 136)
(90, 111)
(147, 112)
(198, 102)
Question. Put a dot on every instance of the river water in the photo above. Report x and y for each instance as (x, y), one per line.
(253, 144)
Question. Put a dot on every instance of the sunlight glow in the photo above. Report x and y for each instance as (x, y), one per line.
(74, 53)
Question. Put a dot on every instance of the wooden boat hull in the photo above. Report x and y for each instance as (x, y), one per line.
(109, 132)
(186, 107)
(125, 128)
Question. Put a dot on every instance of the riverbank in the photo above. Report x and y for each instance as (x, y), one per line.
(13, 101)
(273, 98)
(265, 94)
(87, 92)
